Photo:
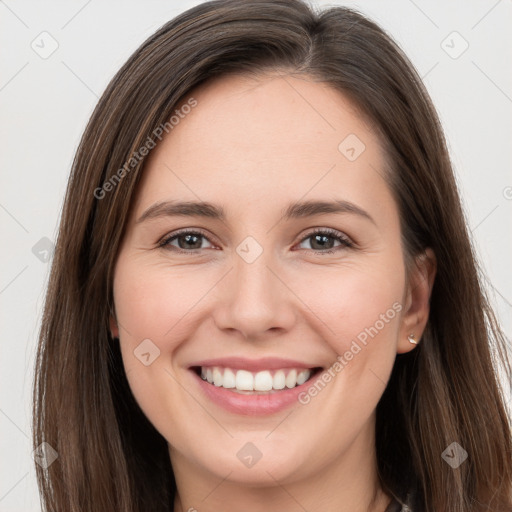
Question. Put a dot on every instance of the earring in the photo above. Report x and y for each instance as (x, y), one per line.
(412, 339)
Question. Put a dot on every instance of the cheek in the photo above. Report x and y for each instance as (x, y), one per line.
(159, 303)
(348, 300)
(155, 310)
(360, 318)
(153, 301)
(359, 311)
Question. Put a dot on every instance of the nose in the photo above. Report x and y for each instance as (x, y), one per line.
(254, 299)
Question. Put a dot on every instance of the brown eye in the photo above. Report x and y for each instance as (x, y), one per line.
(323, 240)
(187, 241)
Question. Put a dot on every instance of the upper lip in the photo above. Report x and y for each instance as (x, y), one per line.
(254, 365)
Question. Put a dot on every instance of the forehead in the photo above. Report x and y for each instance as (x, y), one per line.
(270, 116)
(266, 138)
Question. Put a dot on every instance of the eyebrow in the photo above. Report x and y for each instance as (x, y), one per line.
(295, 210)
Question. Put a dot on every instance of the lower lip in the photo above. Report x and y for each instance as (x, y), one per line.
(252, 405)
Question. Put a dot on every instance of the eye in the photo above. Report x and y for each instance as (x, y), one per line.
(190, 242)
(187, 241)
(321, 237)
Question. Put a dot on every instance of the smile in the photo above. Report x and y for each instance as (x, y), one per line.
(244, 381)
(251, 387)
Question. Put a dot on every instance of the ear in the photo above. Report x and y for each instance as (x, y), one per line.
(114, 329)
(417, 300)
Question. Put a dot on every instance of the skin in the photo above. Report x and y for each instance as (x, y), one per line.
(254, 145)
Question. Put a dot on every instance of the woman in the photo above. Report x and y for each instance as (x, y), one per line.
(326, 344)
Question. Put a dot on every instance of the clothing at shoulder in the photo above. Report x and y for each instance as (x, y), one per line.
(396, 506)
(410, 504)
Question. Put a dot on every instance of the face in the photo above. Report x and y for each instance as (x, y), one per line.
(269, 293)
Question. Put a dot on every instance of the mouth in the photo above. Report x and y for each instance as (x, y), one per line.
(263, 382)
(253, 387)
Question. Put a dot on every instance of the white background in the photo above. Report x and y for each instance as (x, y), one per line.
(45, 104)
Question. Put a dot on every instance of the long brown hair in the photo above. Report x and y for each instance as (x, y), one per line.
(110, 457)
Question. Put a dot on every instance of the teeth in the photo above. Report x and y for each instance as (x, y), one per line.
(242, 380)
(229, 380)
(217, 377)
(291, 379)
(279, 381)
(263, 381)
(301, 378)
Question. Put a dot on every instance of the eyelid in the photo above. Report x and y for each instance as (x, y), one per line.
(329, 231)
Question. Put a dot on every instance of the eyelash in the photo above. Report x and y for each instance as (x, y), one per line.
(332, 233)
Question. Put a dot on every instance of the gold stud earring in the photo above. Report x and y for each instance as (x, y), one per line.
(412, 339)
